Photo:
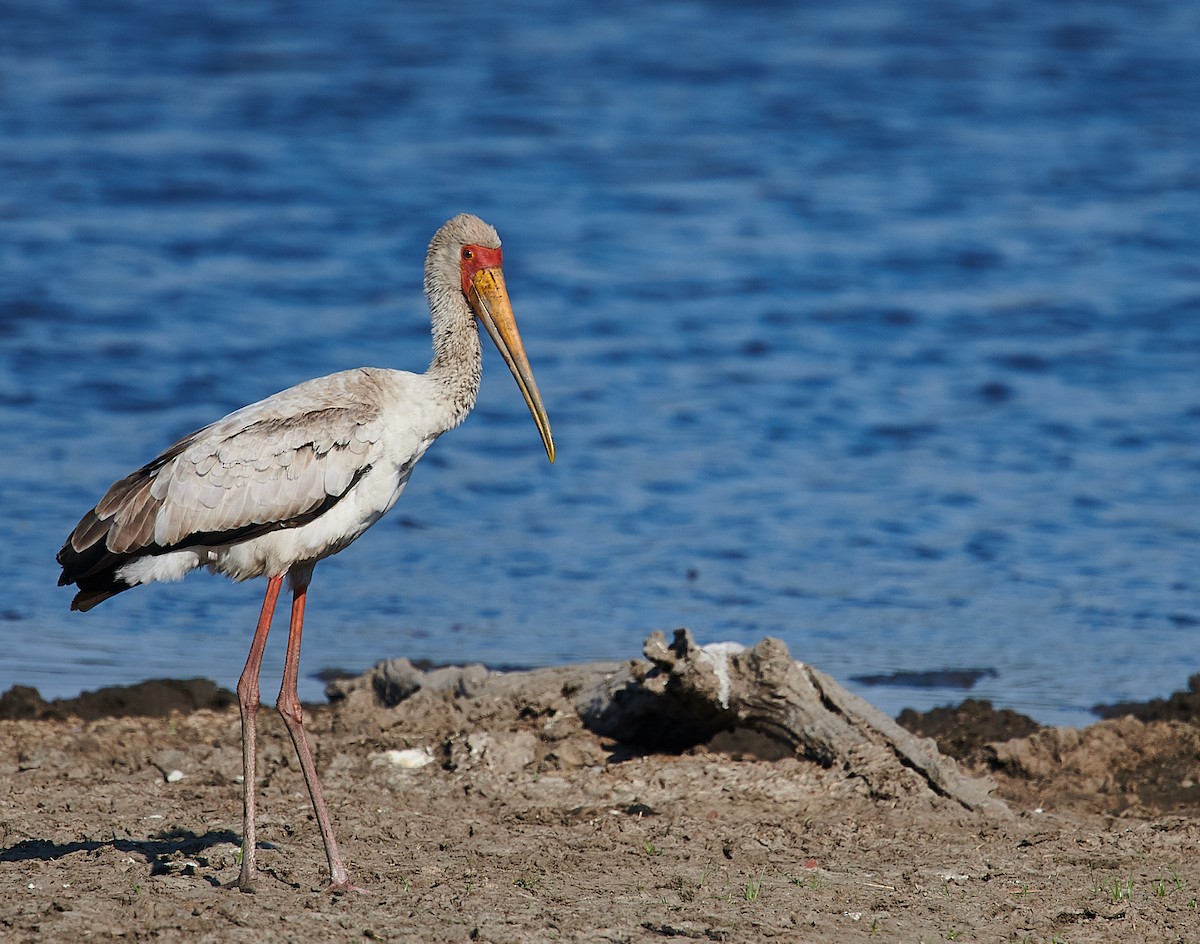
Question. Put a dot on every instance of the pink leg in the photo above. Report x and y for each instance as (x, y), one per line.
(289, 706)
(248, 702)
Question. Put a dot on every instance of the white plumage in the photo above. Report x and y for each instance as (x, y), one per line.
(276, 486)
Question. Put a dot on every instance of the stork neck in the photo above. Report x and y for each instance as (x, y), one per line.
(457, 363)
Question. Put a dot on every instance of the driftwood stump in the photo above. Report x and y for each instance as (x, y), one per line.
(689, 693)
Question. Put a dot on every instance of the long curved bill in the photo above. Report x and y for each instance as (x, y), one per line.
(489, 299)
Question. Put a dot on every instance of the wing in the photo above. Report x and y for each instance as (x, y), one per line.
(278, 463)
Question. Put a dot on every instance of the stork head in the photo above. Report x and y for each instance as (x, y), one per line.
(464, 255)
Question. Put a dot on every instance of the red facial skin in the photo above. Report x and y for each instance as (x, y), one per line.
(474, 260)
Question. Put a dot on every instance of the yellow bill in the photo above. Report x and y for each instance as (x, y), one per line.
(489, 299)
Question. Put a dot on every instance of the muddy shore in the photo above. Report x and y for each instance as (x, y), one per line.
(121, 815)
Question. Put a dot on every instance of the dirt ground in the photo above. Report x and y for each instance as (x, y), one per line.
(525, 827)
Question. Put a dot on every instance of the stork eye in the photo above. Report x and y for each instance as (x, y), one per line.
(467, 254)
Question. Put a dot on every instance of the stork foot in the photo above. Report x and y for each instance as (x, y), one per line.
(344, 886)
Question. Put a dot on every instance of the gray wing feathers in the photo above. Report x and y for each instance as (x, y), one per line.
(260, 466)
(269, 472)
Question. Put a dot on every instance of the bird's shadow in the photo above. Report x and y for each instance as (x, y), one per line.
(161, 852)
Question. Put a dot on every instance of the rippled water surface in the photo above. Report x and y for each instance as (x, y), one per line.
(875, 328)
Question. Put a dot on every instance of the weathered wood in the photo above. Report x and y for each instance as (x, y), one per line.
(690, 693)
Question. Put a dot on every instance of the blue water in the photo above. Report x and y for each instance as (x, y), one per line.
(875, 328)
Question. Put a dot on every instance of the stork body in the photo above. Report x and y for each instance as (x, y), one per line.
(276, 486)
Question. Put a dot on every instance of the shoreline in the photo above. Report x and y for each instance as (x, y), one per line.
(156, 697)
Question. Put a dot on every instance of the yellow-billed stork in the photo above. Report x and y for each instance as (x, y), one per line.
(278, 485)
